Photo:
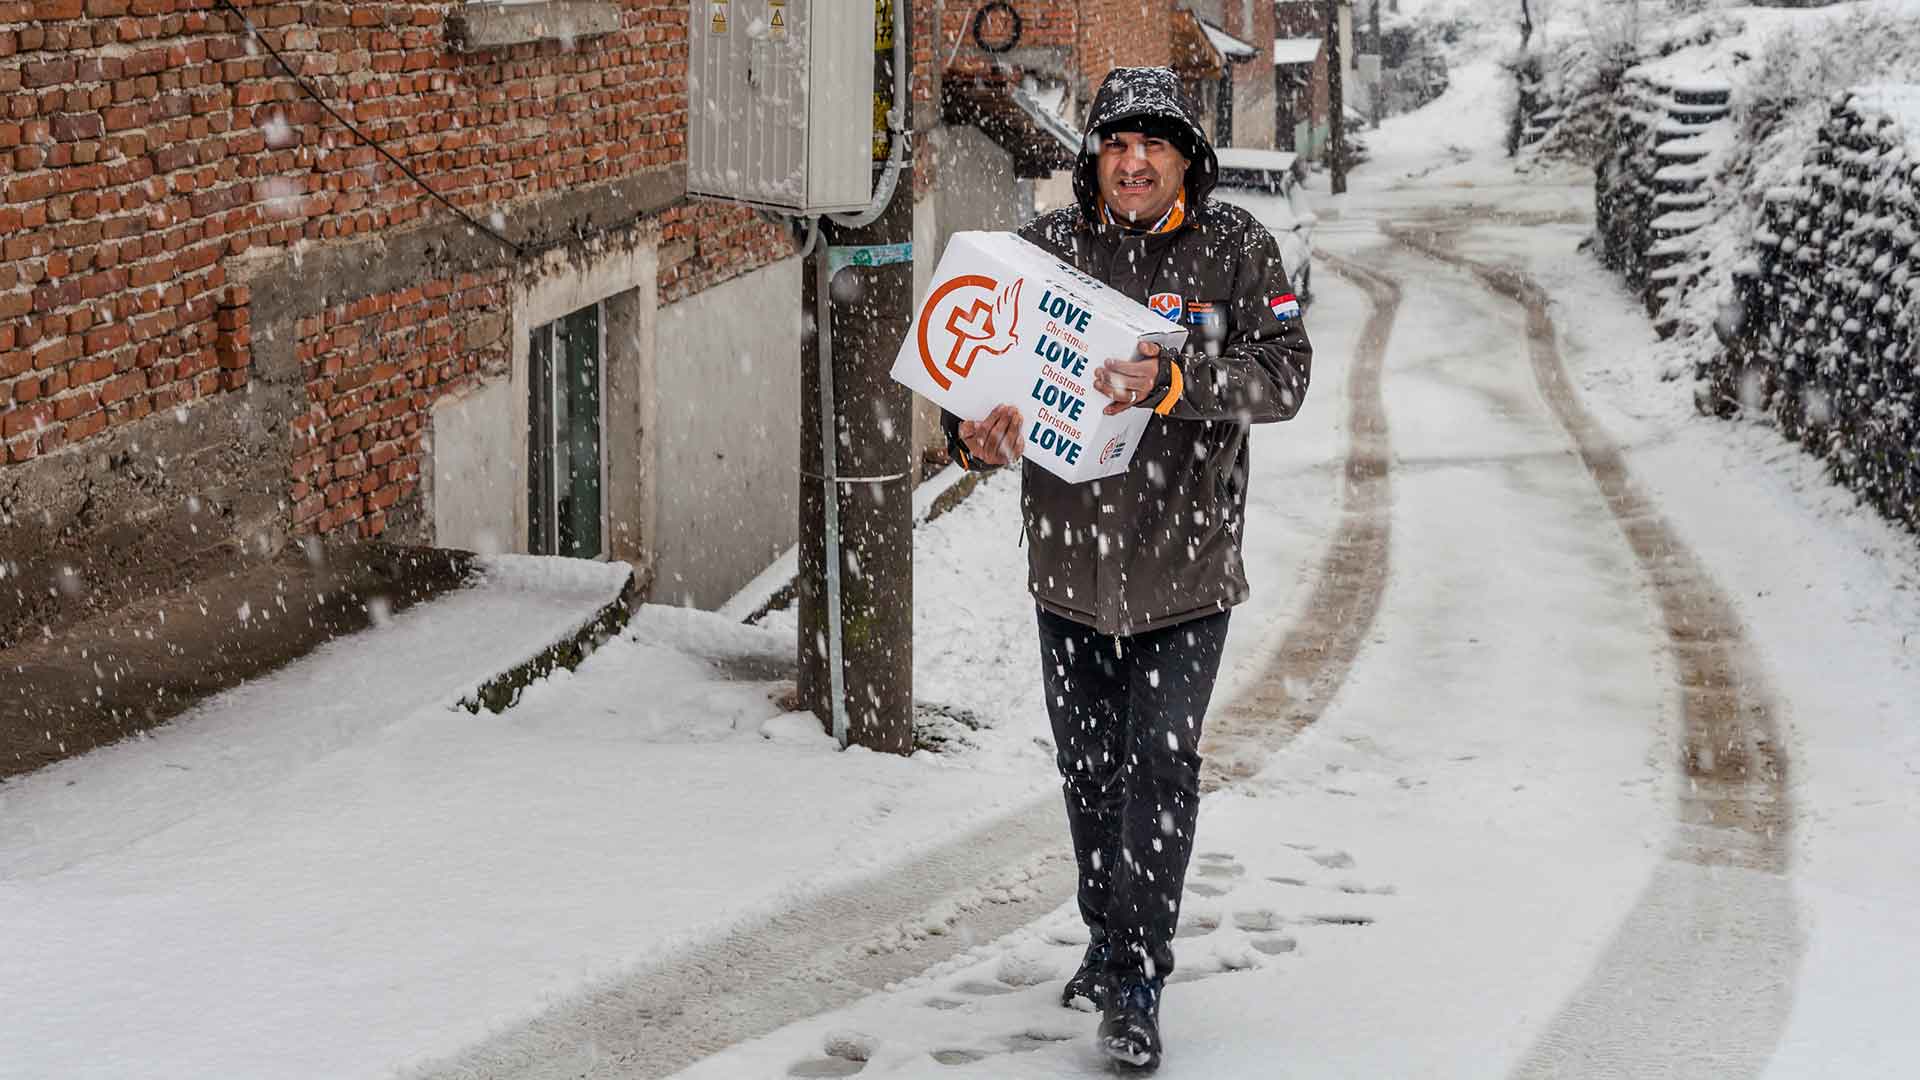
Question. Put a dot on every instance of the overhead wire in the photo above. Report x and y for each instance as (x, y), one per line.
(313, 93)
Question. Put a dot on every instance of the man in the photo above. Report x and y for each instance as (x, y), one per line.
(1134, 575)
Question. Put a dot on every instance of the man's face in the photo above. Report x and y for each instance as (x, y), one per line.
(1140, 176)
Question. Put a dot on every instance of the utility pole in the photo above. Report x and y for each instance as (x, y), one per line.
(869, 462)
(1337, 150)
(1379, 63)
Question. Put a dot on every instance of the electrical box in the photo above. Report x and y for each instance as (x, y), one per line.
(780, 103)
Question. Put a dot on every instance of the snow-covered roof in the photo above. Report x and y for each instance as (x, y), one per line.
(1227, 45)
(1287, 52)
(1240, 157)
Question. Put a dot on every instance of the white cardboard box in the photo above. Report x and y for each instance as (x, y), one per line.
(1006, 323)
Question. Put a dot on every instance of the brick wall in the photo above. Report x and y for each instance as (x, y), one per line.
(1123, 33)
(372, 368)
(1253, 82)
(151, 157)
(1043, 24)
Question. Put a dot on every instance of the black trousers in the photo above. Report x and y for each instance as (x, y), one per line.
(1127, 714)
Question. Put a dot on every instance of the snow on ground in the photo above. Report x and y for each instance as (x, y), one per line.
(1831, 593)
(1413, 887)
(332, 872)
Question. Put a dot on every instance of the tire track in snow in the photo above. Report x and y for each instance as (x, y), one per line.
(1319, 649)
(829, 951)
(816, 955)
(1698, 981)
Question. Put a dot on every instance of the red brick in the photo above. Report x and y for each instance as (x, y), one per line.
(107, 338)
(19, 419)
(71, 127)
(90, 424)
(48, 73)
(30, 188)
(123, 388)
(75, 405)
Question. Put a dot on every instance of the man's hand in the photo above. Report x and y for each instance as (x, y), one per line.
(1128, 382)
(997, 440)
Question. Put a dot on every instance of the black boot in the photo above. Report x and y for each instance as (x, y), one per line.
(1087, 990)
(1130, 1024)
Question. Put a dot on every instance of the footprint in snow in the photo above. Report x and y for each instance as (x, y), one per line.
(826, 1066)
(1022, 1043)
(956, 995)
(1197, 926)
(982, 988)
(1333, 860)
(1273, 944)
(845, 1054)
(1216, 870)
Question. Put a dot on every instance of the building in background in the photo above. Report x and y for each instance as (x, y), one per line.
(1240, 33)
(1302, 76)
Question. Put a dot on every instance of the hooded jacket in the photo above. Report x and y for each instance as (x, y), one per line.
(1160, 543)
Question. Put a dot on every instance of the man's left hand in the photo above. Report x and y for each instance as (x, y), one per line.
(1129, 382)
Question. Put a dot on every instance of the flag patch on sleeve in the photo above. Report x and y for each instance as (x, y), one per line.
(1285, 307)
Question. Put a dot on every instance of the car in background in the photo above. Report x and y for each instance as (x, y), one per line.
(1286, 213)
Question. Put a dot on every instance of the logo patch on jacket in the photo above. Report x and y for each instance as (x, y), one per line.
(1169, 305)
(1285, 307)
(1206, 315)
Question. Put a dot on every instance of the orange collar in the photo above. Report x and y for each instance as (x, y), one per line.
(1169, 221)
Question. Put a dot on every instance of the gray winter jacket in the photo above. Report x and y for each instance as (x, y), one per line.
(1160, 543)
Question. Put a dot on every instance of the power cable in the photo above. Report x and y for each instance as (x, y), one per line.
(362, 136)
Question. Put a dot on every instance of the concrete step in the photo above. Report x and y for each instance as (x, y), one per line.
(98, 679)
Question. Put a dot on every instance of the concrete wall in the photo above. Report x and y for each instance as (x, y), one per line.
(195, 489)
(977, 189)
(727, 435)
(476, 471)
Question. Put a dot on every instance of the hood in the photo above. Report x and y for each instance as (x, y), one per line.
(1142, 91)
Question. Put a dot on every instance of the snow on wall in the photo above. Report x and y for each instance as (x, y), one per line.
(1821, 330)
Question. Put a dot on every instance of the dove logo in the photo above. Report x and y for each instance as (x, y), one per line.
(965, 318)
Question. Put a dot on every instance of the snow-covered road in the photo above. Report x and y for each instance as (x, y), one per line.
(1425, 872)
(1546, 827)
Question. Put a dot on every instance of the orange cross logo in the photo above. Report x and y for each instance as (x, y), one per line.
(972, 326)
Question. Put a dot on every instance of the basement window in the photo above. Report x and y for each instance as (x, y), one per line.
(566, 415)
(493, 24)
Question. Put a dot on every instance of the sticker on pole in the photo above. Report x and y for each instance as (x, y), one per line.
(777, 19)
(1006, 323)
(720, 16)
(841, 257)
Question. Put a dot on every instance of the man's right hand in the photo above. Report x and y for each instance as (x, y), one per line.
(995, 440)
